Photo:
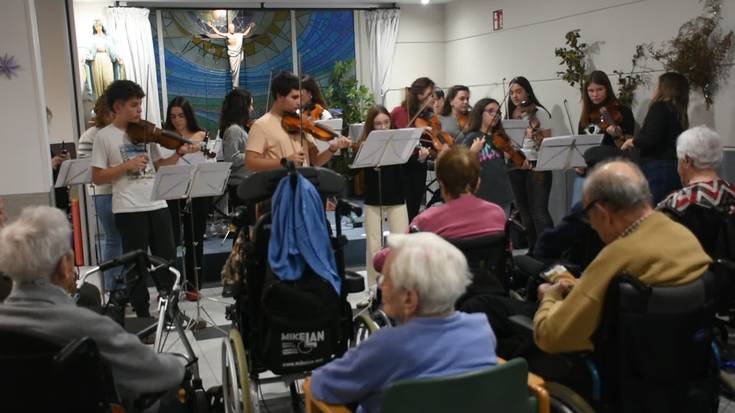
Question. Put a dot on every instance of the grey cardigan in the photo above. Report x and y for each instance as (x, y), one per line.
(47, 311)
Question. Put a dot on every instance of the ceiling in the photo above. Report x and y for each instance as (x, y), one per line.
(266, 3)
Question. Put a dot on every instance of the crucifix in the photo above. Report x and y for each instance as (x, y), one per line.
(234, 46)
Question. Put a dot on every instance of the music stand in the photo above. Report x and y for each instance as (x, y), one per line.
(333, 124)
(384, 148)
(74, 172)
(565, 152)
(516, 130)
(187, 182)
(172, 182)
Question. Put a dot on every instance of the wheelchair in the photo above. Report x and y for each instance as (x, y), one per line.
(654, 351)
(287, 336)
(170, 319)
(38, 375)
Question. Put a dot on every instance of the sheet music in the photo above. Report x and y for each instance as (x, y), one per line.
(516, 130)
(210, 179)
(333, 124)
(74, 172)
(387, 147)
(565, 152)
(172, 182)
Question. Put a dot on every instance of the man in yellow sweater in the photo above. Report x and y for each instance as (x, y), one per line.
(639, 241)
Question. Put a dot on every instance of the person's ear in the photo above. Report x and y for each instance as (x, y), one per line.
(477, 185)
(64, 275)
(410, 301)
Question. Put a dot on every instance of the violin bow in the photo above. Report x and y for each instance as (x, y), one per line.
(421, 109)
(147, 78)
(268, 92)
(301, 103)
(500, 106)
(569, 118)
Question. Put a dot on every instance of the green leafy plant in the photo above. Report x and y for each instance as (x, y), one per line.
(628, 82)
(345, 93)
(573, 57)
(701, 51)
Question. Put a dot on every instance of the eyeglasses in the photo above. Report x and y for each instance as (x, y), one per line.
(587, 209)
(492, 112)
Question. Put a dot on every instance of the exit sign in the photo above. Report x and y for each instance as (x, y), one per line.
(498, 20)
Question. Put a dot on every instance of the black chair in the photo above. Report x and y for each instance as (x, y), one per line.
(487, 257)
(654, 349)
(40, 376)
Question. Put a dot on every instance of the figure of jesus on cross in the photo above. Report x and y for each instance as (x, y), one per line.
(234, 47)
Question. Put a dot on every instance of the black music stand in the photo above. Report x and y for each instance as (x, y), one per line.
(384, 148)
(187, 182)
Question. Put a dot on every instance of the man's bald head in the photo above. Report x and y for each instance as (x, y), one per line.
(618, 184)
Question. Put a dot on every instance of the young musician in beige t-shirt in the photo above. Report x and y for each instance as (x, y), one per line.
(268, 142)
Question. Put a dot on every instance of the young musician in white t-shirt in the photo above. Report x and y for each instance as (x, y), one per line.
(131, 169)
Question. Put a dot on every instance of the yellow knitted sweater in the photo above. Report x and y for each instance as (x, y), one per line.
(659, 252)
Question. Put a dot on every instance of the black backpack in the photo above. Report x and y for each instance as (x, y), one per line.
(301, 323)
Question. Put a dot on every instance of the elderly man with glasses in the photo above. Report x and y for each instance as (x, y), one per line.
(639, 241)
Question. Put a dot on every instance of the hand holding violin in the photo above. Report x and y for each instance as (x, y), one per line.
(340, 143)
(138, 163)
(188, 148)
(297, 158)
(628, 144)
(614, 131)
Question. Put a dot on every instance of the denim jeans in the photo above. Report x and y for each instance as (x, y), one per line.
(662, 177)
(110, 240)
(531, 190)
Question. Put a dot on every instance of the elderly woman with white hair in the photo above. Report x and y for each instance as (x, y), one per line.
(699, 151)
(35, 253)
(423, 277)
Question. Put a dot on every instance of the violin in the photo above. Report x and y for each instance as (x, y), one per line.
(502, 142)
(143, 132)
(528, 110)
(606, 116)
(316, 112)
(293, 123)
(438, 138)
(147, 132)
(462, 120)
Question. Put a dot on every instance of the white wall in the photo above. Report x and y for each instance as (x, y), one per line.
(420, 49)
(54, 37)
(533, 29)
(25, 162)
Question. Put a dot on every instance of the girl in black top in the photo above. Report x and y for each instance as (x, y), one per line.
(382, 198)
(656, 141)
(597, 99)
(531, 188)
(418, 100)
(484, 119)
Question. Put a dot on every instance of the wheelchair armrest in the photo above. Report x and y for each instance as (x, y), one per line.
(523, 322)
(353, 282)
(318, 406)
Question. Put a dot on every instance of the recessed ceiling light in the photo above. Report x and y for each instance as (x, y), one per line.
(424, 1)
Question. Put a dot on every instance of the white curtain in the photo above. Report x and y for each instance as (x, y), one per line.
(382, 32)
(133, 36)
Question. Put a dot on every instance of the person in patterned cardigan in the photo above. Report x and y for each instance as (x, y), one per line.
(706, 199)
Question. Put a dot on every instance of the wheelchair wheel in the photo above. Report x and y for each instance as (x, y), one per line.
(363, 327)
(565, 400)
(239, 393)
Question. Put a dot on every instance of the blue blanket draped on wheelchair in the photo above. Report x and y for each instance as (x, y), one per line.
(299, 234)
